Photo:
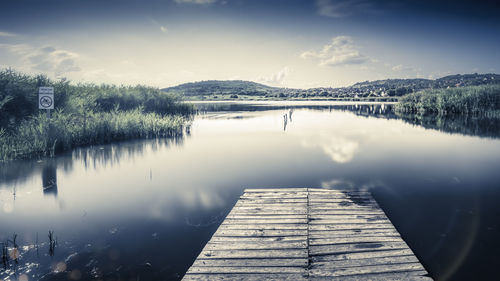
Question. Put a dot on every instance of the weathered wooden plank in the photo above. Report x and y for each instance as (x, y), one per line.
(341, 206)
(362, 255)
(262, 233)
(369, 269)
(249, 198)
(381, 232)
(273, 201)
(314, 221)
(342, 226)
(227, 226)
(255, 246)
(272, 211)
(226, 239)
(314, 212)
(313, 191)
(277, 194)
(244, 277)
(264, 217)
(398, 276)
(302, 262)
(254, 254)
(353, 239)
(328, 265)
(244, 269)
(269, 203)
(268, 213)
(278, 190)
(236, 220)
(346, 216)
(273, 208)
(316, 250)
(328, 201)
(333, 194)
(273, 197)
(274, 205)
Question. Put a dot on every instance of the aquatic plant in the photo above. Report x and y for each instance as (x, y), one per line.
(5, 254)
(52, 243)
(473, 100)
(15, 249)
(85, 114)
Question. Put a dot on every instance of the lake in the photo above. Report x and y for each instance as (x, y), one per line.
(143, 210)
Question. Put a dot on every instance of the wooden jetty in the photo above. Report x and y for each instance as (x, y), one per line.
(306, 233)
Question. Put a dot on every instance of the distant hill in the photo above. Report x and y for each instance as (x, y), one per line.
(378, 88)
(215, 87)
(456, 80)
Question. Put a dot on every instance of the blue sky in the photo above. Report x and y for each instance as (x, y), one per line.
(287, 43)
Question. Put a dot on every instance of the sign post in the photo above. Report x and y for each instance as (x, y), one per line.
(46, 99)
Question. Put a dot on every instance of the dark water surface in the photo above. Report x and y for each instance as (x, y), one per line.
(143, 210)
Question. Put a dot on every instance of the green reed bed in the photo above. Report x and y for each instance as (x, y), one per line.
(473, 100)
(85, 114)
(40, 136)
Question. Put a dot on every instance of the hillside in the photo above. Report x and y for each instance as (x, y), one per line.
(214, 87)
(378, 88)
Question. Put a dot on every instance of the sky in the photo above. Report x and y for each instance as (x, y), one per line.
(285, 43)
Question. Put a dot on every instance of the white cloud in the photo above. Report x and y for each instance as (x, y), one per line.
(344, 8)
(6, 34)
(341, 51)
(163, 29)
(339, 149)
(195, 1)
(401, 68)
(276, 79)
(48, 59)
(398, 67)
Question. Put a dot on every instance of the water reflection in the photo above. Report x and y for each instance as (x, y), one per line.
(340, 149)
(145, 209)
(49, 178)
(481, 126)
(15, 173)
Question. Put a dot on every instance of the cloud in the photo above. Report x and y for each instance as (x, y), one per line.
(400, 68)
(348, 185)
(276, 79)
(344, 8)
(341, 51)
(339, 149)
(163, 29)
(202, 2)
(48, 59)
(7, 34)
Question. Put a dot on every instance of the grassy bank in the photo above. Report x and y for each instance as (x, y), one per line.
(473, 100)
(85, 114)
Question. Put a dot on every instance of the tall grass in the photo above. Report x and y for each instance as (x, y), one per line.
(40, 136)
(85, 114)
(472, 100)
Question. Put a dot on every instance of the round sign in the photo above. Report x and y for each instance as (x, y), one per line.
(46, 101)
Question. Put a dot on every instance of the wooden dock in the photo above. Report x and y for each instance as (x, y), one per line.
(306, 233)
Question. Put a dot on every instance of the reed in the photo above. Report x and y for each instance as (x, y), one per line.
(40, 136)
(86, 114)
(473, 100)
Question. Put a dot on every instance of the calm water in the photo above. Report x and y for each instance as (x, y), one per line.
(143, 210)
